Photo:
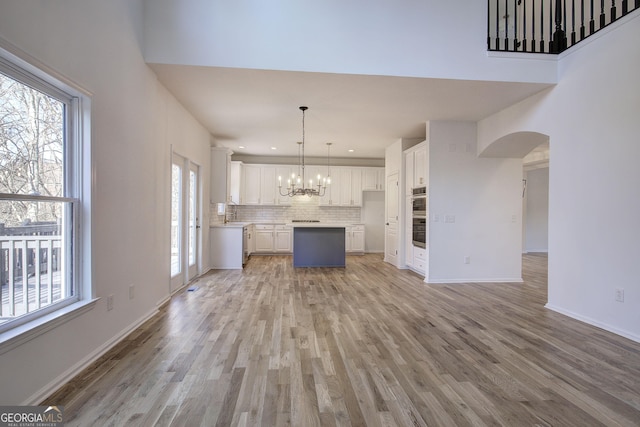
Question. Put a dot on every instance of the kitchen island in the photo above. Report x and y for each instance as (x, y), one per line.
(319, 245)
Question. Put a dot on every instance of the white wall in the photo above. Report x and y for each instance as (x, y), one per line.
(536, 215)
(95, 44)
(475, 209)
(400, 38)
(591, 117)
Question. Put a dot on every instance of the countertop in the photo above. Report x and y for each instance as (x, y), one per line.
(238, 224)
(231, 225)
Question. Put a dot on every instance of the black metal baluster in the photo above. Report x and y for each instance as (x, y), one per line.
(573, 22)
(533, 25)
(542, 26)
(506, 24)
(524, 26)
(637, 4)
(488, 25)
(601, 14)
(551, 25)
(516, 44)
(582, 29)
(497, 24)
(613, 11)
(592, 23)
(564, 23)
(559, 41)
(625, 7)
(564, 15)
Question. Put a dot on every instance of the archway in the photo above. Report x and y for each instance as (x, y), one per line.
(533, 149)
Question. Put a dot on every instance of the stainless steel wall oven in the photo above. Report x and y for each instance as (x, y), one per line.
(419, 232)
(419, 201)
(419, 214)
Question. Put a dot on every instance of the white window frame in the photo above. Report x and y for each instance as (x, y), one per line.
(78, 189)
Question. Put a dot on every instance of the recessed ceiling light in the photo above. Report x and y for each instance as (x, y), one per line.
(241, 147)
(351, 150)
(273, 148)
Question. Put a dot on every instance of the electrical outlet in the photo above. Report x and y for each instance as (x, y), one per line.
(467, 259)
(110, 303)
(620, 295)
(132, 291)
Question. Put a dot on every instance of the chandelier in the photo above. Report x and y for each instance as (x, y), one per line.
(297, 185)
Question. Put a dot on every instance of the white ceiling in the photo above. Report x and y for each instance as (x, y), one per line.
(258, 109)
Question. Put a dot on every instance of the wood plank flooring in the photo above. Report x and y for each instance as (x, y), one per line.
(368, 345)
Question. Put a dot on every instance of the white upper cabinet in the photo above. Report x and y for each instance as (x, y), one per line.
(235, 183)
(220, 165)
(372, 179)
(408, 172)
(259, 184)
(420, 167)
(252, 184)
(416, 167)
(351, 187)
(269, 185)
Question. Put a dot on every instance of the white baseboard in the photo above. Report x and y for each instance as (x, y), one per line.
(484, 280)
(67, 376)
(593, 322)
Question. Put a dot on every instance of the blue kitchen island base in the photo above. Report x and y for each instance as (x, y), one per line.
(319, 247)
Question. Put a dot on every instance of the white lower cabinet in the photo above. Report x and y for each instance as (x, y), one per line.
(269, 238)
(283, 238)
(419, 259)
(263, 238)
(354, 239)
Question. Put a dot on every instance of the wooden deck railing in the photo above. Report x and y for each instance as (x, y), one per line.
(30, 275)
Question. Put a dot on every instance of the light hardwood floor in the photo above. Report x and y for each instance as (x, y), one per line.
(366, 345)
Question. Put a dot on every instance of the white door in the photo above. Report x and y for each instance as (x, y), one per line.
(185, 227)
(193, 225)
(391, 224)
(177, 275)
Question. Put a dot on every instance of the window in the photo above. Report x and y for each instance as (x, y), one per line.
(42, 151)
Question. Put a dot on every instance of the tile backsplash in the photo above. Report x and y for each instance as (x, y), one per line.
(247, 213)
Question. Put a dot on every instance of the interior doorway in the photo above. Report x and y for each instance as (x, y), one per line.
(185, 226)
(534, 150)
(535, 201)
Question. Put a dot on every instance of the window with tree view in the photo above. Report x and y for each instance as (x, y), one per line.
(37, 200)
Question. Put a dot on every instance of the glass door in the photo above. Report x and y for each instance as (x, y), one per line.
(193, 224)
(185, 227)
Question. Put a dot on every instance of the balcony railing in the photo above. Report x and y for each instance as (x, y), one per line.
(548, 26)
(30, 270)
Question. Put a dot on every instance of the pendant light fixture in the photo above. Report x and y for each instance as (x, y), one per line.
(297, 185)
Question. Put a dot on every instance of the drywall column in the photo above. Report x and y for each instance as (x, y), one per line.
(475, 206)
